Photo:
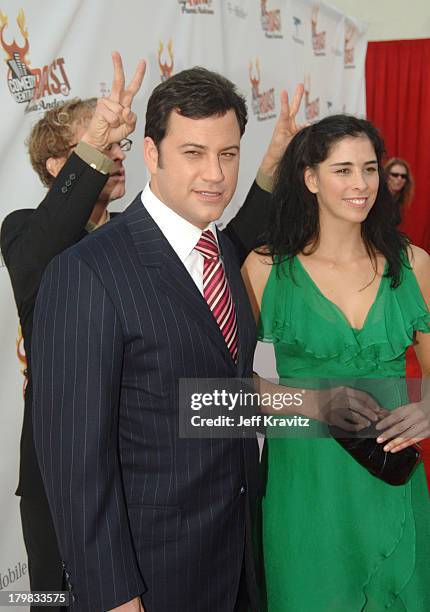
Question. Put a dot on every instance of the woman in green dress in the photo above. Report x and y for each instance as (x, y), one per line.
(341, 294)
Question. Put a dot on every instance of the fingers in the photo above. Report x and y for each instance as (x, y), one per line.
(110, 111)
(118, 77)
(401, 443)
(135, 83)
(297, 99)
(285, 104)
(130, 119)
(363, 403)
(394, 417)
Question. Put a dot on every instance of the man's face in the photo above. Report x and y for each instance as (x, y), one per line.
(115, 186)
(194, 171)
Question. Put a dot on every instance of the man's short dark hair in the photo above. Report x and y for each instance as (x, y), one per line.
(195, 93)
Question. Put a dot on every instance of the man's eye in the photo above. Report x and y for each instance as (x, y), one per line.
(228, 155)
(192, 153)
(342, 171)
(371, 169)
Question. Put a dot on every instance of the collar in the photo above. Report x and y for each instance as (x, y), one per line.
(180, 233)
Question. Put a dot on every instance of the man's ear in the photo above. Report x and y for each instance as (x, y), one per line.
(54, 165)
(311, 180)
(150, 154)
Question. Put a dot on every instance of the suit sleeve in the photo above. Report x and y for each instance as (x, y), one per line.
(59, 220)
(246, 230)
(77, 362)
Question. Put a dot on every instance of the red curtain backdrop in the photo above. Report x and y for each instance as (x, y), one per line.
(398, 103)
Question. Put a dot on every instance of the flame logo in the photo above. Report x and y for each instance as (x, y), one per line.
(14, 51)
(312, 108)
(28, 84)
(166, 68)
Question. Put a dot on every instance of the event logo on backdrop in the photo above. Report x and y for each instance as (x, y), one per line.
(237, 10)
(349, 44)
(312, 107)
(263, 104)
(197, 7)
(12, 574)
(271, 21)
(297, 35)
(38, 87)
(166, 67)
(22, 358)
(318, 38)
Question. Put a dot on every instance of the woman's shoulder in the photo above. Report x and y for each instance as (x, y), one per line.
(255, 272)
(418, 258)
(419, 261)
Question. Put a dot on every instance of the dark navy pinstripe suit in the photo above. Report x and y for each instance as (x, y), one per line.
(138, 510)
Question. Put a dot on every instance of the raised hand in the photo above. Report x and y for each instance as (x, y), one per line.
(284, 130)
(113, 118)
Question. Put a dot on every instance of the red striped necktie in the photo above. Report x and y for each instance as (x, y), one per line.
(217, 292)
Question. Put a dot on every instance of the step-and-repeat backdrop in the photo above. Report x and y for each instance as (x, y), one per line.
(52, 51)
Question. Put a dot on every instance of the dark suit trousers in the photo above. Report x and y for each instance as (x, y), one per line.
(44, 561)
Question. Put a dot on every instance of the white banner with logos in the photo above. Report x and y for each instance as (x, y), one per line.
(53, 51)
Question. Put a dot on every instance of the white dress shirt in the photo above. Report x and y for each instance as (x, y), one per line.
(180, 233)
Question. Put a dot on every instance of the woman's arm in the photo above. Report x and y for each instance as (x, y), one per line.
(410, 424)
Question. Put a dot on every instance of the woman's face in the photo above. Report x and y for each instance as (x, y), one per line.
(397, 176)
(346, 183)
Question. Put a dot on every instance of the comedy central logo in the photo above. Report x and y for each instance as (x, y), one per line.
(318, 38)
(166, 67)
(263, 104)
(349, 44)
(35, 86)
(197, 7)
(271, 21)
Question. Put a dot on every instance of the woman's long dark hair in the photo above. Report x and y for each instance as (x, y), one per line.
(294, 222)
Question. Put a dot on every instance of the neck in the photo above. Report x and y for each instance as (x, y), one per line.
(340, 241)
(99, 214)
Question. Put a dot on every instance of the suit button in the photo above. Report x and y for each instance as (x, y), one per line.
(242, 490)
(68, 183)
(64, 189)
(72, 176)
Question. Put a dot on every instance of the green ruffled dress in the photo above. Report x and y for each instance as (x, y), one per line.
(335, 538)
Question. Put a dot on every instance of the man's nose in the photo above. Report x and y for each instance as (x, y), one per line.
(116, 153)
(212, 171)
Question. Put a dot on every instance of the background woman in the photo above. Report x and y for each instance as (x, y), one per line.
(400, 181)
(341, 294)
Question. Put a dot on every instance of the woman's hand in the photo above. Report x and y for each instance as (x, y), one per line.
(346, 408)
(405, 426)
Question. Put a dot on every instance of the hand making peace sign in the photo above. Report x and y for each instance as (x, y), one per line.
(113, 118)
(284, 130)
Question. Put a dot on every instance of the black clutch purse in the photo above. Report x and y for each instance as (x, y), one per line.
(393, 468)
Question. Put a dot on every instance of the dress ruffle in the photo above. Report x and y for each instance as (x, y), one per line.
(387, 332)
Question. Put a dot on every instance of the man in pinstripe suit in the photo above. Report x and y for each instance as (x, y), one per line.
(147, 520)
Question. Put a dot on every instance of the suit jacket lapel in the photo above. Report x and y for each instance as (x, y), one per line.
(173, 278)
